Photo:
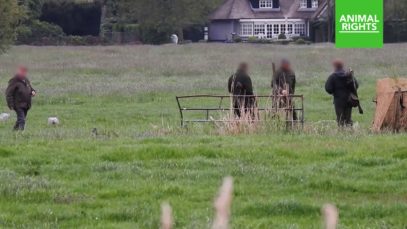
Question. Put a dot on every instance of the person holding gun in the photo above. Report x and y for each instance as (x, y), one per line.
(284, 79)
(283, 84)
(343, 86)
(19, 94)
(241, 87)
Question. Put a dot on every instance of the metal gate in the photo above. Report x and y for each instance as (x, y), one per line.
(208, 108)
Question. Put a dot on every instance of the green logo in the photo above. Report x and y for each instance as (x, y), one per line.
(359, 23)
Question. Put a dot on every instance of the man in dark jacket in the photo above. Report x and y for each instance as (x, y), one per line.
(284, 79)
(341, 84)
(240, 84)
(283, 84)
(18, 95)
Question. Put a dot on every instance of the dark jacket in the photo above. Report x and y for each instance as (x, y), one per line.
(19, 93)
(240, 84)
(281, 78)
(340, 85)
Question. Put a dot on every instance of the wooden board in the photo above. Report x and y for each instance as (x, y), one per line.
(388, 104)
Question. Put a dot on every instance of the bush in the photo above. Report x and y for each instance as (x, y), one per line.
(185, 42)
(153, 35)
(23, 34)
(282, 36)
(237, 39)
(301, 37)
(92, 40)
(75, 40)
(252, 40)
(38, 31)
(44, 29)
(282, 42)
(300, 41)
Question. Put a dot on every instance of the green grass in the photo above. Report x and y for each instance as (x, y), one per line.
(65, 177)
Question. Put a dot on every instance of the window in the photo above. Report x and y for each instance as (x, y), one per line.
(247, 29)
(271, 4)
(308, 4)
(315, 4)
(276, 28)
(266, 4)
(259, 29)
(282, 28)
(290, 29)
(269, 31)
(299, 29)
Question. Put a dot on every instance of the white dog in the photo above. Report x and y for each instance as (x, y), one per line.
(53, 121)
(4, 117)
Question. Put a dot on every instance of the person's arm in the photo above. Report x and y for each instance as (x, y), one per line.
(356, 83)
(248, 87)
(230, 82)
(12, 87)
(33, 91)
(329, 85)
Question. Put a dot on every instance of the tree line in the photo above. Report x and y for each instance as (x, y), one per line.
(153, 21)
(160, 18)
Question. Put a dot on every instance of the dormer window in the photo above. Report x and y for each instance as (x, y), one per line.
(308, 4)
(269, 4)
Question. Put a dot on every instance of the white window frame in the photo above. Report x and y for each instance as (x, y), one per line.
(290, 27)
(246, 29)
(268, 27)
(303, 4)
(266, 4)
(315, 4)
(269, 31)
(300, 29)
(283, 28)
(276, 29)
(259, 30)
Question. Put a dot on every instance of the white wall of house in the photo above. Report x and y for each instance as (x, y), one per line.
(271, 28)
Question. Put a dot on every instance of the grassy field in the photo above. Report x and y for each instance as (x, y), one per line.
(66, 177)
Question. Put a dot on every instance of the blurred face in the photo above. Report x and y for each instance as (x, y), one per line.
(286, 66)
(337, 65)
(244, 68)
(22, 72)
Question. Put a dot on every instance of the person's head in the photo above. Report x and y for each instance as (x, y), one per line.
(285, 65)
(22, 72)
(338, 64)
(243, 67)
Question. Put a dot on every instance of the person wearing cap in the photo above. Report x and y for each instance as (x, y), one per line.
(19, 94)
(283, 84)
(240, 84)
(340, 85)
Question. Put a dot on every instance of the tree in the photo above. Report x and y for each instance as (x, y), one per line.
(10, 14)
(163, 17)
(395, 12)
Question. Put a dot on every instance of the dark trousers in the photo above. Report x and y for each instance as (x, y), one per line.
(343, 115)
(21, 116)
(245, 105)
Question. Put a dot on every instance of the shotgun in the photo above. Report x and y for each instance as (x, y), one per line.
(355, 91)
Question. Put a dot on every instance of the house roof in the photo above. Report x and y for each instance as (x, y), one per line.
(233, 9)
(321, 13)
(242, 9)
